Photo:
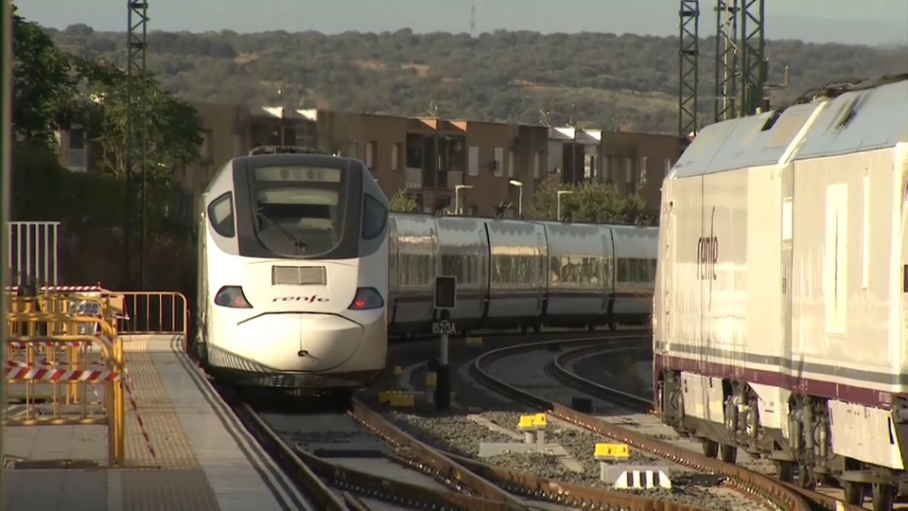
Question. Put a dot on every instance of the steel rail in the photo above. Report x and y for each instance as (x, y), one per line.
(289, 460)
(744, 481)
(559, 370)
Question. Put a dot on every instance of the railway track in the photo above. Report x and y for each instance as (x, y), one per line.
(469, 485)
(760, 487)
(334, 487)
(473, 486)
(560, 369)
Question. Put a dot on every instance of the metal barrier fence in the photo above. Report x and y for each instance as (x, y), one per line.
(65, 369)
(33, 253)
(155, 312)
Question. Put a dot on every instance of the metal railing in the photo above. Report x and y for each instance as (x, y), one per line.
(64, 369)
(154, 312)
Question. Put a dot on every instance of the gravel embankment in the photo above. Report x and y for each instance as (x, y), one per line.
(461, 435)
(455, 432)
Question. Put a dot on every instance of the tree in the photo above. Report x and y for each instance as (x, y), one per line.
(589, 202)
(173, 127)
(44, 87)
(402, 202)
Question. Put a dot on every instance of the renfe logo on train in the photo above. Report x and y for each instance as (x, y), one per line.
(707, 255)
(307, 299)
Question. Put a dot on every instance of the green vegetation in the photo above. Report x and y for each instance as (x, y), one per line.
(616, 82)
(55, 90)
(589, 202)
(402, 202)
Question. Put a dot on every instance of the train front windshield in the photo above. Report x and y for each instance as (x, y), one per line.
(298, 210)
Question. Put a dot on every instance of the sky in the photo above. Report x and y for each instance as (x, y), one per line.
(870, 22)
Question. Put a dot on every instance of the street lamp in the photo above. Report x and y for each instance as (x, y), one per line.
(457, 189)
(519, 186)
(558, 202)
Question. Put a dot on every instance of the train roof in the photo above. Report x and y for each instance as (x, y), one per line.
(527, 220)
(300, 157)
(842, 119)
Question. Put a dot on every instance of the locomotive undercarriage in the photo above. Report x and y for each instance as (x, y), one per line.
(805, 458)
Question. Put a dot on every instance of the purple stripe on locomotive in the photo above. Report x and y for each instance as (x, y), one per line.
(812, 386)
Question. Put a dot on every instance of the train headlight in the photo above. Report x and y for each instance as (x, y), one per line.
(233, 297)
(367, 298)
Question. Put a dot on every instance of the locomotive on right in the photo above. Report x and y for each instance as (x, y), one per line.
(781, 296)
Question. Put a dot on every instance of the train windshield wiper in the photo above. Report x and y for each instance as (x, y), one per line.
(297, 243)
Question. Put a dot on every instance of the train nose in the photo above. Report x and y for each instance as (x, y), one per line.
(300, 342)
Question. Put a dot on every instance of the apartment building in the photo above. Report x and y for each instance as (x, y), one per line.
(443, 164)
(475, 166)
(632, 162)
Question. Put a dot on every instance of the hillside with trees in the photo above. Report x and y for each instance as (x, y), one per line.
(624, 82)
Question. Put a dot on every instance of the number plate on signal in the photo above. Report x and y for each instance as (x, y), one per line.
(443, 327)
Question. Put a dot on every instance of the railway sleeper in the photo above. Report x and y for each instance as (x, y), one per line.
(725, 415)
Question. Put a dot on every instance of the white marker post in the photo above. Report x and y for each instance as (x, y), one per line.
(445, 301)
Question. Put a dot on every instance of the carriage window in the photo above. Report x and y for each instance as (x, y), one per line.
(220, 214)
(375, 216)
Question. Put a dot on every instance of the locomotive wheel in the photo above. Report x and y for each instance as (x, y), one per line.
(710, 448)
(612, 326)
(785, 471)
(728, 454)
(537, 329)
(854, 492)
(882, 497)
(524, 329)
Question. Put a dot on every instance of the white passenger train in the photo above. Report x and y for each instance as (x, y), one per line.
(303, 273)
(293, 258)
(781, 298)
(514, 273)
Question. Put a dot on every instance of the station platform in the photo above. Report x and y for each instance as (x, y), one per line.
(197, 456)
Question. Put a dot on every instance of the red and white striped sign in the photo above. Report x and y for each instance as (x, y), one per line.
(66, 289)
(48, 344)
(47, 364)
(25, 373)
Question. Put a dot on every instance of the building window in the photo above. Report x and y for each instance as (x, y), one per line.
(414, 151)
(353, 149)
(205, 148)
(510, 163)
(371, 150)
(395, 156)
(498, 167)
(537, 165)
(474, 161)
(629, 175)
(77, 139)
(77, 151)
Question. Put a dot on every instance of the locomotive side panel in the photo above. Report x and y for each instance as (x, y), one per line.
(764, 340)
(411, 303)
(722, 263)
(846, 216)
(516, 281)
(682, 294)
